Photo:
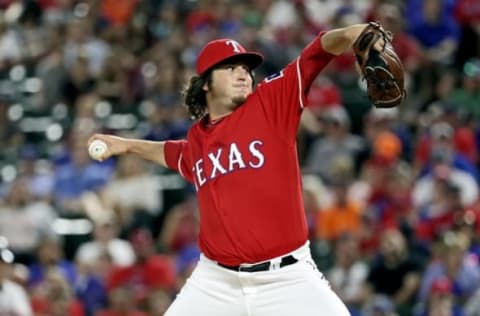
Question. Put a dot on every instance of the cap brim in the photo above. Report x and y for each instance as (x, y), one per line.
(252, 59)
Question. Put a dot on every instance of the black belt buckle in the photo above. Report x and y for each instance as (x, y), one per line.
(264, 266)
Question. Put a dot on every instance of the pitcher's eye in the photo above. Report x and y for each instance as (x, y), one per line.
(246, 68)
(228, 67)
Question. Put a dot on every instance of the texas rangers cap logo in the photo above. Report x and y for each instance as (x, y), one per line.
(218, 51)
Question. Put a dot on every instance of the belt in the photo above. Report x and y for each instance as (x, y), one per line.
(264, 266)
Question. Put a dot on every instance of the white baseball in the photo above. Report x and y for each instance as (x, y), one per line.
(97, 148)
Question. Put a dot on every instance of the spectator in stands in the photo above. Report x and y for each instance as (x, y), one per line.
(472, 306)
(186, 260)
(56, 297)
(342, 217)
(150, 271)
(389, 204)
(440, 300)
(467, 225)
(440, 215)
(439, 145)
(76, 177)
(432, 106)
(22, 213)
(78, 82)
(134, 194)
(467, 14)
(394, 273)
(105, 239)
(313, 192)
(349, 272)
(337, 143)
(379, 120)
(122, 302)
(180, 228)
(10, 45)
(437, 33)
(14, 299)
(50, 256)
(158, 302)
(38, 175)
(467, 96)
(464, 131)
(89, 289)
(442, 173)
(117, 82)
(380, 305)
(78, 286)
(454, 263)
(82, 43)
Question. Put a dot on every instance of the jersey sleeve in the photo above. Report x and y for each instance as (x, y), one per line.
(176, 158)
(283, 95)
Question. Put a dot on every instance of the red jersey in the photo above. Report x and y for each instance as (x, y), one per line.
(245, 168)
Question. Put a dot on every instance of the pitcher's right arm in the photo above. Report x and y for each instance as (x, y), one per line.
(149, 150)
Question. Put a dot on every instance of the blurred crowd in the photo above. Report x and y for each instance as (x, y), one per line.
(391, 195)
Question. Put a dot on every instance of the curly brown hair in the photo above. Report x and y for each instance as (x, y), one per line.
(194, 96)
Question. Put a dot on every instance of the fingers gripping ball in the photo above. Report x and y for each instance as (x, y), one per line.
(97, 149)
(380, 67)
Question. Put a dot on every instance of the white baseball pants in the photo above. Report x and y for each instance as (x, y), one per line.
(298, 289)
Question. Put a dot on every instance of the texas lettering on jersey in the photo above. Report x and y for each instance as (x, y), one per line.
(228, 159)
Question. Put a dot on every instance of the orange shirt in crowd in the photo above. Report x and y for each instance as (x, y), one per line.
(336, 220)
(118, 12)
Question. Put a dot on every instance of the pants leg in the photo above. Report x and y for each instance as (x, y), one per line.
(299, 289)
(210, 291)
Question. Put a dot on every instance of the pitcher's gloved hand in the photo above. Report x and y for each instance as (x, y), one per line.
(380, 66)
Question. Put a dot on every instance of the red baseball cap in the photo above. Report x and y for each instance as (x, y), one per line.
(220, 50)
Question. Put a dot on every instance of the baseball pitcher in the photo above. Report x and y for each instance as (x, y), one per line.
(240, 155)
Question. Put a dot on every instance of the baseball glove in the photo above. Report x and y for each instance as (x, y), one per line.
(381, 68)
